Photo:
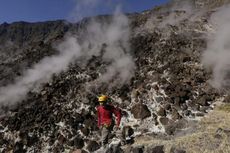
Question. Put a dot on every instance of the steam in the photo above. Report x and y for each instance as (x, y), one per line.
(110, 40)
(116, 51)
(87, 8)
(40, 73)
(178, 11)
(186, 9)
(216, 57)
(83, 8)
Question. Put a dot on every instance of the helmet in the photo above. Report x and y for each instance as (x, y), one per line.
(103, 98)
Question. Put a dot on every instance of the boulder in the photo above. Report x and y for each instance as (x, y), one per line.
(176, 104)
(203, 101)
(155, 118)
(191, 104)
(92, 146)
(18, 148)
(79, 151)
(164, 120)
(161, 112)
(1, 139)
(187, 112)
(184, 107)
(205, 109)
(90, 122)
(156, 149)
(199, 114)
(58, 148)
(78, 143)
(61, 139)
(174, 150)
(175, 115)
(138, 150)
(167, 106)
(85, 131)
(227, 99)
(159, 99)
(140, 111)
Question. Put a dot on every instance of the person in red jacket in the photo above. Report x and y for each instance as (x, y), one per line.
(105, 113)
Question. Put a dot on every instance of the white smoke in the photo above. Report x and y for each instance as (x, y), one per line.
(111, 37)
(180, 11)
(40, 73)
(87, 8)
(117, 51)
(83, 8)
(177, 12)
(216, 57)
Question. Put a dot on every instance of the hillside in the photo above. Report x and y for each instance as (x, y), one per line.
(157, 66)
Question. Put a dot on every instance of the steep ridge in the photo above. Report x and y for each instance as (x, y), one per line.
(167, 93)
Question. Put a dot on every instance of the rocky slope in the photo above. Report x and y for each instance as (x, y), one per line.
(167, 93)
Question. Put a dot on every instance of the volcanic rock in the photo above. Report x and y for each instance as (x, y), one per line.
(79, 151)
(159, 99)
(18, 148)
(85, 131)
(138, 150)
(78, 143)
(227, 99)
(203, 101)
(175, 115)
(154, 116)
(140, 111)
(164, 120)
(161, 112)
(174, 150)
(92, 146)
(156, 149)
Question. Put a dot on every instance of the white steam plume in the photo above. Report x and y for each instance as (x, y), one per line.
(216, 57)
(40, 73)
(112, 38)
(117, 51)
(87, 8)
(186, 8)
(83, 8)
(178, 11)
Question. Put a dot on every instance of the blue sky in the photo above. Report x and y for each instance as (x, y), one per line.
(43, 10)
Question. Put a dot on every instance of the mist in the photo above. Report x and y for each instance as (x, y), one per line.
(40, 72)
(109, 40)
(216, 56)
(117, 51)
(88, 8)
(177, 12)
(83, 8)
(186, 9)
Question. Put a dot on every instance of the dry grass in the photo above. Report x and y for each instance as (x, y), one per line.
(225, 108)
(214, 3)
(206, 139)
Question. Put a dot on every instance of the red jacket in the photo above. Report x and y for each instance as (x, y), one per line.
(105, 115)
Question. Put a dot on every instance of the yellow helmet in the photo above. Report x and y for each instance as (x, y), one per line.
(103, 98)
